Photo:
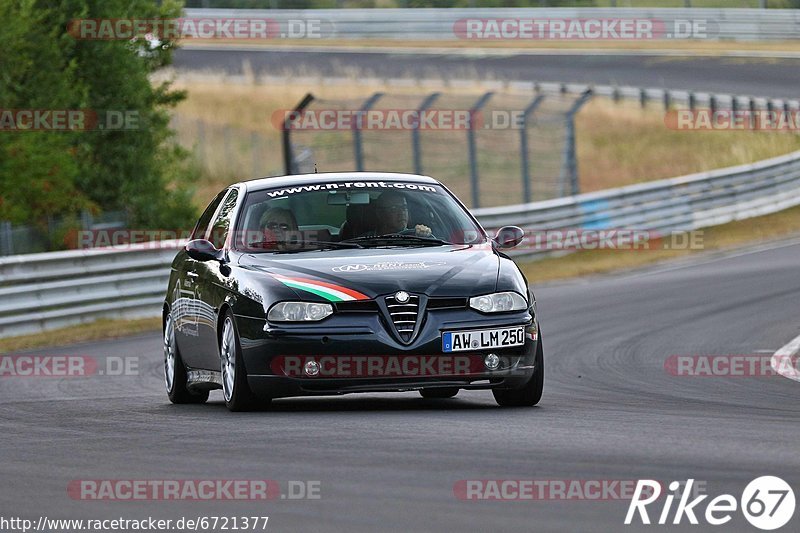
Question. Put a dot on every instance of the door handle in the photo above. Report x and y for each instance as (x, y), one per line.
(192, 274)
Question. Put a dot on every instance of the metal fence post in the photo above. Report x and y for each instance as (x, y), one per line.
(254, 150)
(288, 156)
(415, 145)
(473, 155)
(51, 230)
(86, 220)
(569, 169)
(226, 143)
(6, 239)
(201, 141)
(359, 154)
(523, 147)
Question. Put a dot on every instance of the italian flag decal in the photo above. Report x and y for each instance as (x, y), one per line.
(329, 291)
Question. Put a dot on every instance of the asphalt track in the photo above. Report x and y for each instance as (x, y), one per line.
(389, 462)
(754, 76)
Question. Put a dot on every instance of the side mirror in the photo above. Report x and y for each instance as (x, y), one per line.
(202, 250)
(508, 237)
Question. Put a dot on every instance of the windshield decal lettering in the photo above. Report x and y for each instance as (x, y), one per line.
(351, 184)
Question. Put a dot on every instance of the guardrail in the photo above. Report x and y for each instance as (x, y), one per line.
(440, 24)
(684, 203)
(56, 289)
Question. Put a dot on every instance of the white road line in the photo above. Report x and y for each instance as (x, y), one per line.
(782, 360)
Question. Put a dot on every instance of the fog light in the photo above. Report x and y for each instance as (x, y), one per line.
(492, 361)
(311, 368)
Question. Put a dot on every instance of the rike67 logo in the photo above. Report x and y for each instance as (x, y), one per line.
(767, 503)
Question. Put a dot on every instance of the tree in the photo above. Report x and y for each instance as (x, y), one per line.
(38, 170)
(59, 173)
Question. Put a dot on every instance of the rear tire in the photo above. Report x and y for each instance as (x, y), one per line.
(175, 371)
(235, 390)
(529, 394)
(448, 392)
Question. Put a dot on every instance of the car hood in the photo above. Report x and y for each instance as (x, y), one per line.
(435, 271)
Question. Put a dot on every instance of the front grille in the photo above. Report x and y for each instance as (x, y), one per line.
(404, 316)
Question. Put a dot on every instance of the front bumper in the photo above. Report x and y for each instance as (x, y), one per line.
(265, 349)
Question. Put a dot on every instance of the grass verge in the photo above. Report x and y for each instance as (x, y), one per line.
(99, 330)
(622, 144)
(231, 129)
(727, 236)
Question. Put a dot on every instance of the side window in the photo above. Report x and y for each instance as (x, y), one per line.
(199, 231)
(219, 230)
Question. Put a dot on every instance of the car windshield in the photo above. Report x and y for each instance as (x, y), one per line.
(358, 214)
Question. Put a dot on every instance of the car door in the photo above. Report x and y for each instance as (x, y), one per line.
(212, 284)
(187, 306)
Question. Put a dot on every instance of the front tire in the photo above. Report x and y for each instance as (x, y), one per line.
(529, 394)
(235, 390)
(175, 371)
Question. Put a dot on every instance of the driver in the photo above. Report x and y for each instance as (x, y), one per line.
(392, 216)
(278, 224)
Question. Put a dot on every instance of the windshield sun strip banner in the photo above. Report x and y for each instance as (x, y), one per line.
(282, 193)
(329, 291)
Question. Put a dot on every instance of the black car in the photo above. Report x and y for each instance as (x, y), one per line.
(347, 282)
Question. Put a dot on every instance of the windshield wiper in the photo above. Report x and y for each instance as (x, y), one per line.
(397, 238)
(317, 245)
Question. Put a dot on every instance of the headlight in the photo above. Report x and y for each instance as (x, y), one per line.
(299, 312)
(498, 302)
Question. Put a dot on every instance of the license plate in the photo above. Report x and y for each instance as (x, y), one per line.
(459, 341)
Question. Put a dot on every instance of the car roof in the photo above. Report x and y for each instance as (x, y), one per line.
(327, 177)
